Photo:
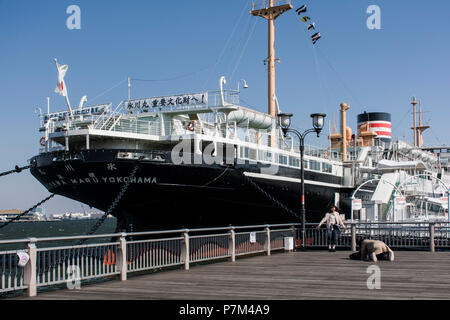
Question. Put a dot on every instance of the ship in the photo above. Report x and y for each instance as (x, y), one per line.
(202, 159)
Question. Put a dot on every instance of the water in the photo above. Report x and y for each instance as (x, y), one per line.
(64, 228)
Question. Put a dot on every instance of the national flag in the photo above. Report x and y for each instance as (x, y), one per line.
(302, 9)
(61, 85)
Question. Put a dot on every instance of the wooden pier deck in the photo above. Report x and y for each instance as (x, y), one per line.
(295, 275)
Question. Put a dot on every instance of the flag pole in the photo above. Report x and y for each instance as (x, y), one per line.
(70, 108)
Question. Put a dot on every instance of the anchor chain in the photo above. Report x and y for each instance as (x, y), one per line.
(25, 212)
(113, 205)
(270, 197)
(17, 169)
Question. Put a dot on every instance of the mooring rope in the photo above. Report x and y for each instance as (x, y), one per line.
(113, 205)
(25, 212)
(17, 169)
(270, 197)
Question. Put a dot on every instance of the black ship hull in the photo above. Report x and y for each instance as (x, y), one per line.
(164, 195)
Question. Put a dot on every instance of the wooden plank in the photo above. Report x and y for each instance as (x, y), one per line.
(298, 275)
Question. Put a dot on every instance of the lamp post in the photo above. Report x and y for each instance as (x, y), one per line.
(245, 84)
(318, 122)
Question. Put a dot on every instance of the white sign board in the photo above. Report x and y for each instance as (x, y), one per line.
(86, 111)
(170, 102)
(357, 204)
(252, 237)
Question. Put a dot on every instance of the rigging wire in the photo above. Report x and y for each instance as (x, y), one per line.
(436, 137)
(108, 90)
(244, 48)
(233, 50)
(227, 43)
(339, 77)
(175, 77)
(323, 86)
(398, 123)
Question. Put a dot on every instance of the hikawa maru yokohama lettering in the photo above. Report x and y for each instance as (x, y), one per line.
(94, 180)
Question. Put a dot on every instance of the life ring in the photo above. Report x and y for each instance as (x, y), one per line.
(110, 259)
(191, 125)
(42, 141)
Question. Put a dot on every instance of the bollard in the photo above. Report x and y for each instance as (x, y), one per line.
(185, 250)
(232, 245)
(30, 269)
(432, 247)
(122, 257)
(267, 245)
(353, 229)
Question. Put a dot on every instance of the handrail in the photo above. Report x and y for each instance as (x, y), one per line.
(125, 234)
(103, 115)
(229, 228)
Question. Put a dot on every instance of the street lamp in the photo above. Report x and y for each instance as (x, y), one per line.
(285, 123)
(245, 84)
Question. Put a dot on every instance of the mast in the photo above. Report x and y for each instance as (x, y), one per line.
(418, 129)
(414, 102)
(421, 128)
(267, 10)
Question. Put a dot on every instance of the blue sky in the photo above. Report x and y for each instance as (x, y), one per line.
(372, 70)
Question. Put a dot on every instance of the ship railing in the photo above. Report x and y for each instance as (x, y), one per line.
(263, 4)
(134, 125)
(106, 117)
(230, 97)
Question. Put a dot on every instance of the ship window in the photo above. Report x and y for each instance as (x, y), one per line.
(314, 165)
(264, 155)
(326, 167)
(244, 152)
(282, 159)
(251, 153)
(294, 162)
(305, 164)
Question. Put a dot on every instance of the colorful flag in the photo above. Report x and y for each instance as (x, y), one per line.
(302, 9)
(315, 37)
(305, 18)
(312, 26)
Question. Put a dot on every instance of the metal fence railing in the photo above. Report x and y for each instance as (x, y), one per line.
(151, 254)
(125, 253)
(397, 235)
(62, 264)
(11, 275)
(121, 254)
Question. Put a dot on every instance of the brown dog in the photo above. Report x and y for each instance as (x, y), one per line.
(373, 250)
